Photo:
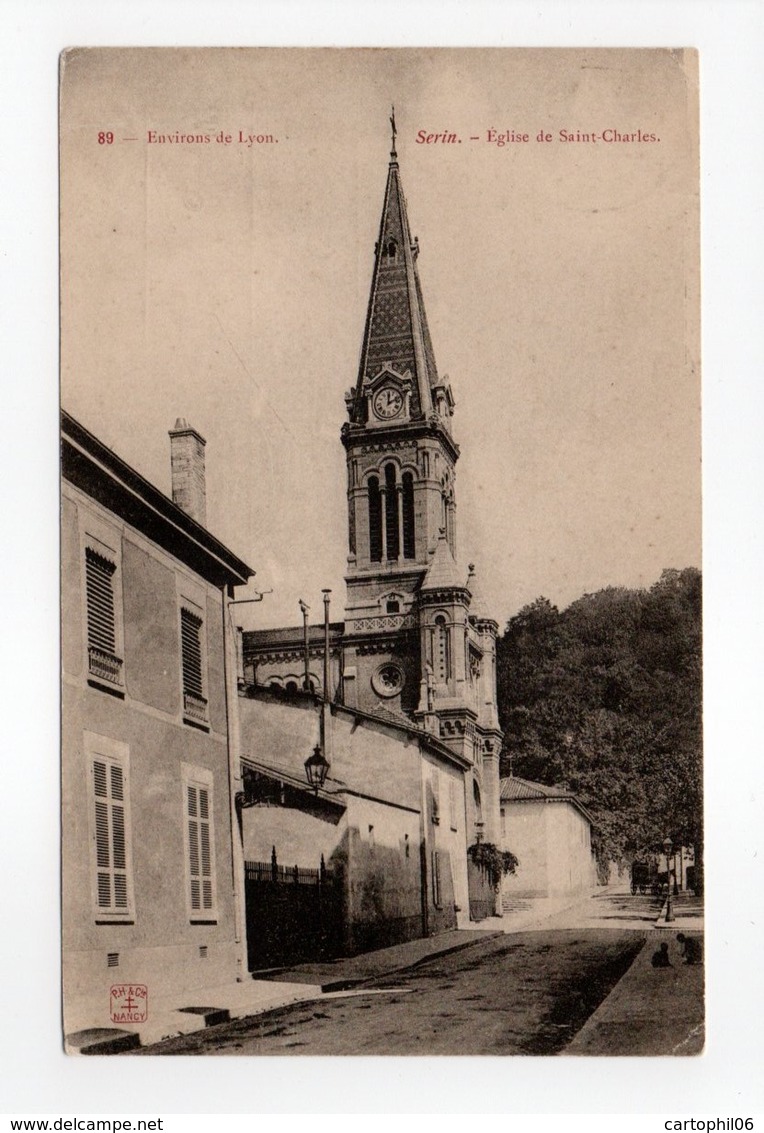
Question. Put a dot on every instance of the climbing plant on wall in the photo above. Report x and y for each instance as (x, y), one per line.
(491, 860)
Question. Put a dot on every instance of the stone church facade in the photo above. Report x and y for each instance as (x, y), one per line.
(416, 644)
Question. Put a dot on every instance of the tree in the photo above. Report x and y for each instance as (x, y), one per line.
(604, 698)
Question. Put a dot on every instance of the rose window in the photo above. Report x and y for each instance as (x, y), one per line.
(388, 680)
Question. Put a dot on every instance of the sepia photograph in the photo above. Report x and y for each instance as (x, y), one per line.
(381, 614)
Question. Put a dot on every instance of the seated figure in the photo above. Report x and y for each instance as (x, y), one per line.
(661, 957)
(692, 948)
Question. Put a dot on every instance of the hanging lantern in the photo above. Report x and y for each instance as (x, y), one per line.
(316, 768)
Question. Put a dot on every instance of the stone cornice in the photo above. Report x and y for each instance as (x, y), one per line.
(388, 437)
(445, 594)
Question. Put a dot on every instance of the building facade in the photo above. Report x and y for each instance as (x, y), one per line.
(149, 750)
(549, 831)
(384, 835)
(416, 644)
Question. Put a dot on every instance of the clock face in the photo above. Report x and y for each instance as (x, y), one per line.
(388, 403)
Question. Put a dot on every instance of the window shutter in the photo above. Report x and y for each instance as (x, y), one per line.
(191, 653)
(99, 574)
(103, 856)
(199, 848)
(206, 863)
(193, 847)
(110, 836)
(436, 878)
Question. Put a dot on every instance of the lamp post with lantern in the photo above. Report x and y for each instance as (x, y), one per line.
(667, 847)
(317, 765)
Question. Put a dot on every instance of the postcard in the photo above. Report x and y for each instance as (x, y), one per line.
(380, 529)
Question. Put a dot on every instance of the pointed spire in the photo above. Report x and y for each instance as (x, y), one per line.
(396, 332)
(477, 604)
(443, 572)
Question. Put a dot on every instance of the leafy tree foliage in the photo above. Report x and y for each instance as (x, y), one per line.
(604, 698)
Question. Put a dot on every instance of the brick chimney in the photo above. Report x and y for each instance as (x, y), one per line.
(187, 459)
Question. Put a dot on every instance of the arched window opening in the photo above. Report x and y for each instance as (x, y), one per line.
(391, 513)
(393, 606)
(391, 248)
(351, 527)
(409, 547)
(478, 803)
(442, 650)
(291, 686)
(375, 520)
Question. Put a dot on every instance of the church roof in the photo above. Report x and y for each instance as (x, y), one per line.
(291, 636)
(294, 775)
(515, 788)
(443, 572)
(396, 331)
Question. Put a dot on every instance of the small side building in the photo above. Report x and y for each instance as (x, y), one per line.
(548, 830)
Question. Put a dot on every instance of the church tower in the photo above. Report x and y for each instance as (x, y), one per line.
(414, 643)
(400, 468)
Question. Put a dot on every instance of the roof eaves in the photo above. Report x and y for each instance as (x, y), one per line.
(114, 467)
(281, 775)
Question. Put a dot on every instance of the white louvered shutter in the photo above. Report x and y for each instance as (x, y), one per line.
(199, 848)
(110, 836)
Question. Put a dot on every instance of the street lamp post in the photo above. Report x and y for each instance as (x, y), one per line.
(304, 607)
(317, 765)
(327, 697)
(667, 846)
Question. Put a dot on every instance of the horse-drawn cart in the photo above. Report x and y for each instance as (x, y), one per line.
(647, 878)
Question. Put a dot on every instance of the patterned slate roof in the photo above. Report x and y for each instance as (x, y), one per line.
(396, 329)
(443, 572)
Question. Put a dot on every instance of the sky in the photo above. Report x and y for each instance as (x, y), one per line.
(228, 283)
